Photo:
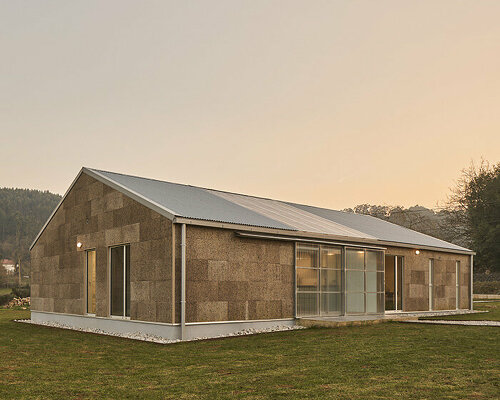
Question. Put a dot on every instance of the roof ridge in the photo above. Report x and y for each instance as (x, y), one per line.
(215, 190)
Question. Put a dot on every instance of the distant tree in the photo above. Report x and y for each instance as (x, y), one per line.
(22, 214)
(418, 218)
(473, 212)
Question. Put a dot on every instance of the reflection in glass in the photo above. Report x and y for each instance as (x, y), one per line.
(307, 304)
(307, 256)
(355, 302)
(355, 281)
(371, 303)
(331, 280)
(307, 279)
(331, 303)
(331, 257)
(91, 265)
(355, 259)
(371, 281)
(380, 303)
(371, 260)
(120, 281)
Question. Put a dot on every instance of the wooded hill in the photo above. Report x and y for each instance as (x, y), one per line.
(22, 214)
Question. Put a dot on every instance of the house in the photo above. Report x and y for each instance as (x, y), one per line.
(9, 266)
(130, 254)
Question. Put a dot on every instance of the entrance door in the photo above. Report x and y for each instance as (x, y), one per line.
(120, 281)
(394, 270)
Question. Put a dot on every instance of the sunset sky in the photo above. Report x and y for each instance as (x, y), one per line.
(330, 103)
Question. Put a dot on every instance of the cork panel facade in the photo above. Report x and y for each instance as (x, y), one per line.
(416, 279)
(229, 278)
(99, 217)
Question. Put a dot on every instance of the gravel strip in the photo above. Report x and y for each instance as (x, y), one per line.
(158, 339)
(443, 322)
(434, 313)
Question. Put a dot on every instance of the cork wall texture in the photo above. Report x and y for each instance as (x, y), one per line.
(98, 216)
(416, 279)
(229, 278)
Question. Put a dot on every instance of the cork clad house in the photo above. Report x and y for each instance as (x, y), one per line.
(131, 254)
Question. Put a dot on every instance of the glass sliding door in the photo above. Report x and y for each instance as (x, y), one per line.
(394, 269)
(364, 281)
(120, 280)
(319, 280)
(90, 272)
(307, 262)
(331, 280)
(334, 280)
(355, 281)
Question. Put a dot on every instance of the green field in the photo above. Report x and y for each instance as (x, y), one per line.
(390, 360)
(493, 313)
(5, 291)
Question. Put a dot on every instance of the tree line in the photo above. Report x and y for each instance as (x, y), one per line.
(469, 218)
(22, 214)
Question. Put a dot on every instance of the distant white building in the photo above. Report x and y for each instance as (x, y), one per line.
(9, 266)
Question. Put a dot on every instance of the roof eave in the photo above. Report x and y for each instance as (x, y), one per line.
(311, 235)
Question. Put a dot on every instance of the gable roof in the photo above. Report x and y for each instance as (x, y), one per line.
(175, 200)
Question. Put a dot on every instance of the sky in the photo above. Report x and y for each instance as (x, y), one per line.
(328, 103)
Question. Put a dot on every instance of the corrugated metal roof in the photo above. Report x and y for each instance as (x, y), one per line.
(177, 200)
(301, 220)
(382, 230)
(192, 202)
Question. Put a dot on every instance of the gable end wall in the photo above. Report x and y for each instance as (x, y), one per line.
(99, 216)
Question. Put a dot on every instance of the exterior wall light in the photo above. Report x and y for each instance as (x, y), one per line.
(79, 245)
(417, 252)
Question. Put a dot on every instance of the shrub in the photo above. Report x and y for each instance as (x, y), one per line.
(487, 287)
(21, 291)
(5, 298)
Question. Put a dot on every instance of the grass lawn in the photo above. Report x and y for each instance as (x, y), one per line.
(493, 313)
(5, 291)
(390, 360)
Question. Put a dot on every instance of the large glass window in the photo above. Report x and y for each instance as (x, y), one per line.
(364, 281)
(319, 280)
(120, 281)
(91, 265)
(325, 286)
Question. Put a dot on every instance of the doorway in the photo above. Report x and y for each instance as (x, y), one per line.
(394, 272)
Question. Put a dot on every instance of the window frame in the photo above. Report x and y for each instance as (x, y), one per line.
(111, 315)
(431, 284)
(379, 294)
(86, 280)
(379, 272)
(318, 248)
